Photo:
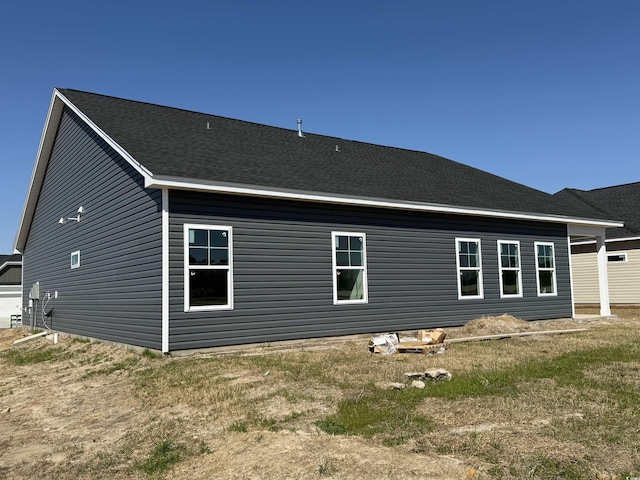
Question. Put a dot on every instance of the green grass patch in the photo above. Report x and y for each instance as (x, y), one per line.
(566, 369)
(162, 458)
(238, 427)
(151, 355)
(30, 357)
(80, 340)
(390, 414)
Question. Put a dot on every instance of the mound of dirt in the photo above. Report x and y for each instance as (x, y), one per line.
(494, 325)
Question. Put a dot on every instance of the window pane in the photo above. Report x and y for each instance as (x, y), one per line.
(342, 259)
(349, 284)
(208, 287)
(473, 260)
(463, 247)
(469, 283)
(198, 238)
(356, 259)
(342, 243)
(355, 243)
(464, 260)
(198, 256)
(546, 282)
(510, 282)
(219, 256)
(218, 238)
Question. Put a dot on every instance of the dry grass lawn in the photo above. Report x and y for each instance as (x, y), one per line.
(537, 407)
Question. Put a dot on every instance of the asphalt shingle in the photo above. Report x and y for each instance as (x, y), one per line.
(173, 142)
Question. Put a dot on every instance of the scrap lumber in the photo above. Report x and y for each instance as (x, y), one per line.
(508, 335)
(418, 347)
(31, 337)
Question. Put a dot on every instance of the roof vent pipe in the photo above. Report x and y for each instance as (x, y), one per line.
(300, 134)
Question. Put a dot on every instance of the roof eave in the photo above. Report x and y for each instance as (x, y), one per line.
(179, 183)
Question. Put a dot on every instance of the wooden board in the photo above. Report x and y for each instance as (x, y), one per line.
(418, 347)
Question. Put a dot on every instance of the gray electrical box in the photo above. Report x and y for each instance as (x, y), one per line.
(34, 293)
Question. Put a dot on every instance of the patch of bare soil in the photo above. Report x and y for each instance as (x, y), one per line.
(83, 415)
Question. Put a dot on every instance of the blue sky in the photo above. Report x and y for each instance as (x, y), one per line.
(545, 93)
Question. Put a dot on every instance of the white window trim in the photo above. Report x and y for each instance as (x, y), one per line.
(479, 269)
(77, 265)
(364, 268)
(502, 269)
(617, 254)
(187, 267)
(553, 270)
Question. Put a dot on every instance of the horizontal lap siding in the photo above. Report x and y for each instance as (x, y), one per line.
(624, 277)
(116, 293)
(283, 272)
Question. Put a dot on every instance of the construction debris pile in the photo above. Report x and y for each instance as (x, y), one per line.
(425, 341)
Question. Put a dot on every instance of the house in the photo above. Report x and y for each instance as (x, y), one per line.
(172, 230)
(10, 288)
(622, 244)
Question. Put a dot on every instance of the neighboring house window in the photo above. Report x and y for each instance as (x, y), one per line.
(510, 274)
(208, 267)
(545, 268)
(469, 263)
(617, 258)
(349, 255)
(75, 259)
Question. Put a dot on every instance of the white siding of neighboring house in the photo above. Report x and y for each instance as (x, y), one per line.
(624, 277)
(10, 300)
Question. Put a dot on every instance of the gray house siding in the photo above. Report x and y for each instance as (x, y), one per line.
(116, 292)
(12, 275)
(283, 270)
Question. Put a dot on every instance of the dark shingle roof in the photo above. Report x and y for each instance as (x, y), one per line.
(174, 142)
(620, 202)
(16, 257)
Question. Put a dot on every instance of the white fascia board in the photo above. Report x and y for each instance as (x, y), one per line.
(58, 101)
(257, 191)
(608, 240)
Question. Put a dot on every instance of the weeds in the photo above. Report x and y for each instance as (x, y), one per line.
(164, 456)
(238, 427)
(30, 357)
(327, 468)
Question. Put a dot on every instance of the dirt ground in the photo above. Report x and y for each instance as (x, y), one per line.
(71, 417)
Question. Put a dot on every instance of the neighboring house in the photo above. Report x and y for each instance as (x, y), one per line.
(10, 287)
(171, 229)
(623, 245)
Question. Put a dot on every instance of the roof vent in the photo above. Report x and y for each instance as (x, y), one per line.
(208, 126)
(300, 134)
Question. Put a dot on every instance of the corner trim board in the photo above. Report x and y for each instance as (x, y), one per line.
(165, 270)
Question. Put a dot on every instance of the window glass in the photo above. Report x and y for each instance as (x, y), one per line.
(208, 287)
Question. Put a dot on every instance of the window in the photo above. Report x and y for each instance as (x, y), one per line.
(545, 269)
(469, 263)
(509, 265)
(75, 259)
(208, 263)
(349, 256)
(617, 258)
